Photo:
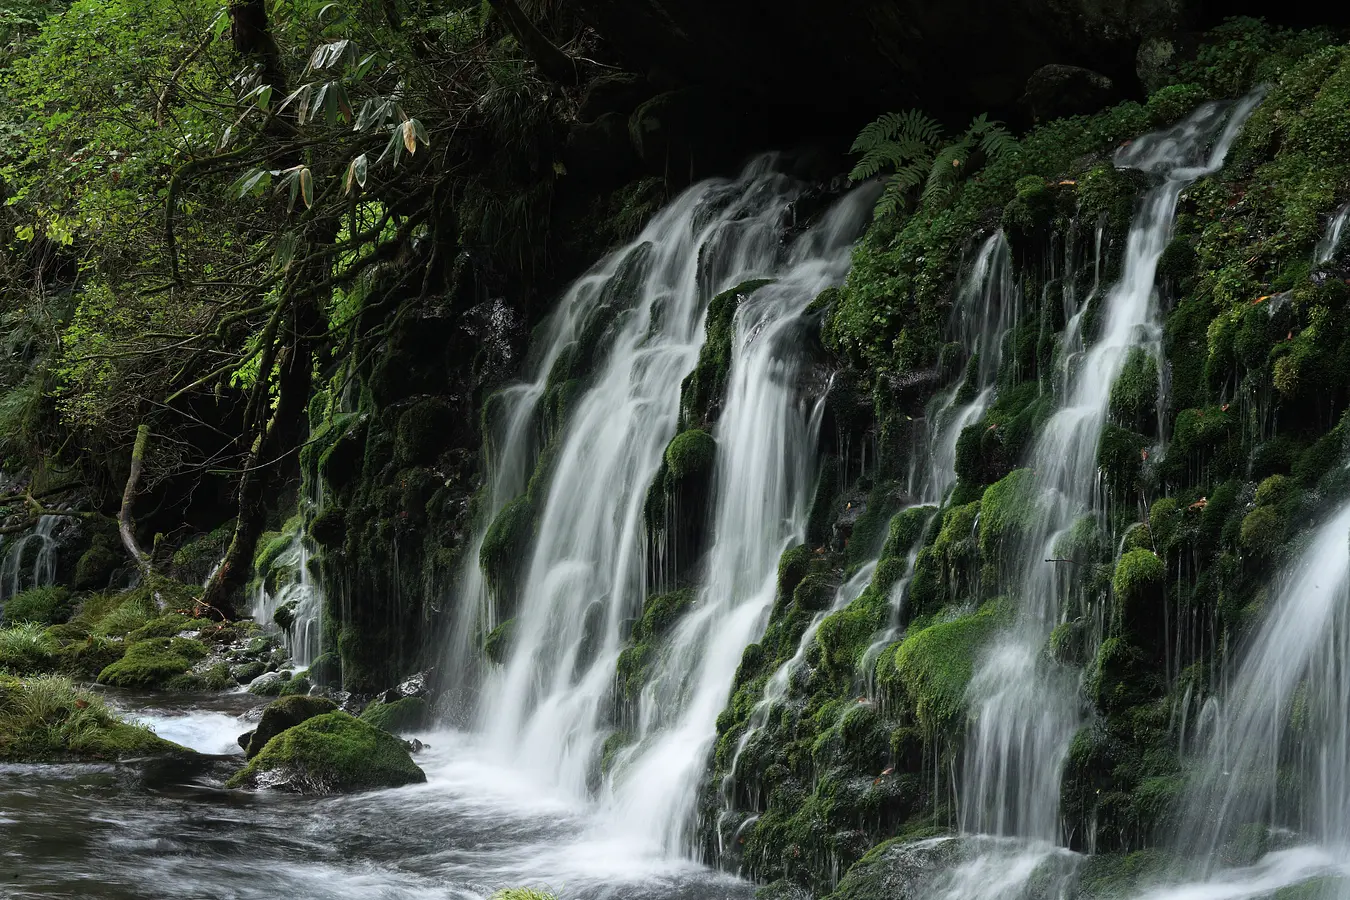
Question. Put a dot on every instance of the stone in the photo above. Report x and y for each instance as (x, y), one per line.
(331, 753)
(283, 714)
(1054, 91)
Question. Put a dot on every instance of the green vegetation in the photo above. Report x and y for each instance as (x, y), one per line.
(49, 719)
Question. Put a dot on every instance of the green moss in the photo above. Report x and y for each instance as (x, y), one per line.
(157, 663)
(96, 566)
(690, 454)
(702, 393)
(1134, 396)
(505, 547)
(933, 666)
(407, 714)
(1120, 456)
(44, 605)
(1121, 677)
(793, 566)
(329, 527)
(1007, 510)
(423, 431)
(49, 719)
(333, 752)
(497, 644)
(1138, 585)
(907, 527)
(167, 626)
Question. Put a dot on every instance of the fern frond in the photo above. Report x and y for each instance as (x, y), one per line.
(997, 141)
(890, 201)
(875, 133)
(948, 166)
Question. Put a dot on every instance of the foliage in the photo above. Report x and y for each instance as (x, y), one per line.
(912, 147)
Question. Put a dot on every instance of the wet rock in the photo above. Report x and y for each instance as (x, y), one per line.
(283, 714)
(246, 672)
(331, 753)
(406, 714)
(243, 739)
(1056, 90)
(268, 684)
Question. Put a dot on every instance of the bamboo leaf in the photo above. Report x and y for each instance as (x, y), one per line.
(307, 187)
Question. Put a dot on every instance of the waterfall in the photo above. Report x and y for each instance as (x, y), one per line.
(1026, 711)
(582, 580)
(30, 560)
(1331, 240)
(1279, 758)
(300, 594)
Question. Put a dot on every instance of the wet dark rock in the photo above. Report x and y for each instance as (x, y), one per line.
(244, 739)
(1058, 90)
(283, 714)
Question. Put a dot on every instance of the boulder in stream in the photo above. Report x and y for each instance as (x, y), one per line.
(287, 712)
(331, 753)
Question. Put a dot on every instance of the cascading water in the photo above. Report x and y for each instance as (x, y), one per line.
(1278, 761)
(300, 595)
(583, 582)
(764, 481)
(30, 560)
(1025, 712)
(1326, 248)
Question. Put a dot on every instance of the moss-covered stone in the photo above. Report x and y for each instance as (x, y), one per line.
(158, 663)
(398, 717)
(285, 713)
(330, 753)
(96, 566)
(1134, 396)
(704, 389)
(1138, 587)
(931, 668)
(505, 547)
(423, 431)
(497, 644)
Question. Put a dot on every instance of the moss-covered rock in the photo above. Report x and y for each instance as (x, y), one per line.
(931, 668)
(96, 566)
(330, 753)
(504, 551)
(423, 431)
(27, 649)
(1138, 587)
(285, 713)
(1134, 396)
(398, 717)
(158, 663)
(704, 389)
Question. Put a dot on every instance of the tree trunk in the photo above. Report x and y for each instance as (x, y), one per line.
(252, 36)
(126, 525)
(556, 65)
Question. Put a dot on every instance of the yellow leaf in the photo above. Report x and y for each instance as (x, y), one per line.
(409, 137)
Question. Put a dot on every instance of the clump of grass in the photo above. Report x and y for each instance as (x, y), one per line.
(27, 648)
(49, 717)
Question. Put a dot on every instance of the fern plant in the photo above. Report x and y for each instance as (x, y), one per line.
(912, 146)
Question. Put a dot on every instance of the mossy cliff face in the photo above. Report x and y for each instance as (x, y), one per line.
(1217, 454)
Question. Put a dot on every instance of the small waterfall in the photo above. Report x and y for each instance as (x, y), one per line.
(30, 560)
(298, 593)
(985, 309)
(776, 688)
(1331, 240)
(1026, 711)
(1281, 755)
